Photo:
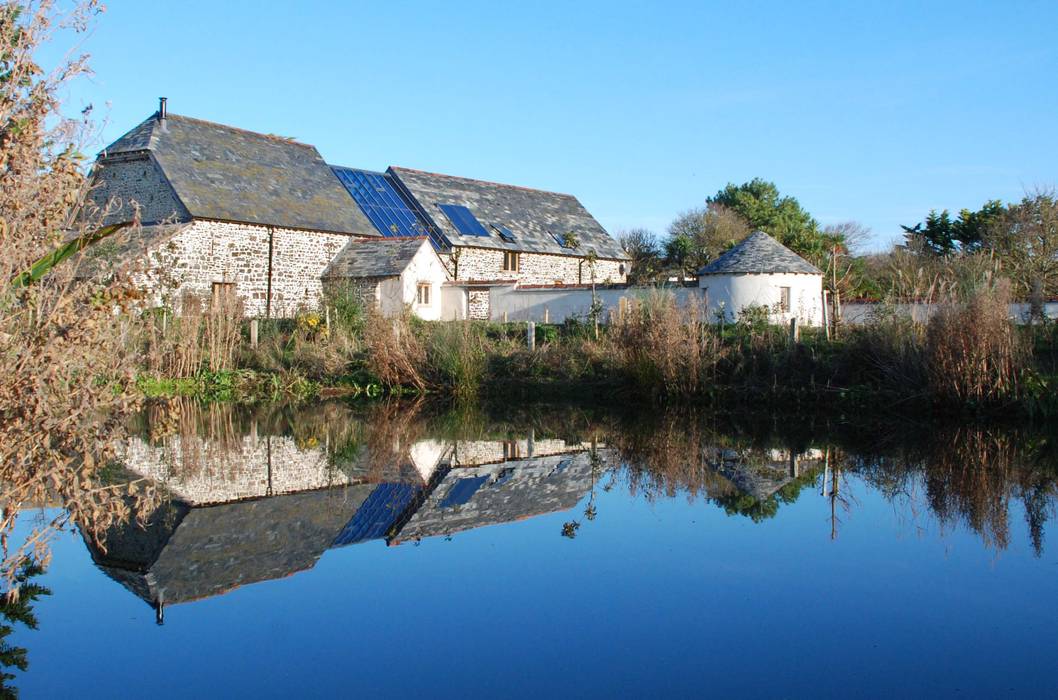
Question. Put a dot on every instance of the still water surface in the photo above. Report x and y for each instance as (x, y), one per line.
(560, 552)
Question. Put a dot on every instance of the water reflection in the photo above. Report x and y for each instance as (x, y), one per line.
(255, 495)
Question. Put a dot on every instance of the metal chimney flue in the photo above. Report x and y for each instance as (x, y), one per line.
(161, 109)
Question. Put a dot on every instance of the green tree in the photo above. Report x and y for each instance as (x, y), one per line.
(1025, 240)
(942, 235)
(16, 607)
(760, 203)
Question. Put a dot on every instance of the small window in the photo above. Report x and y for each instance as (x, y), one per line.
(566, 240)
(422, 294)
(505, 233)
(784, 299)
(223, 294)
(510, 261)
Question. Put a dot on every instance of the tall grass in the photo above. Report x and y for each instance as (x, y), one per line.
(664, 348)
(204, 336)
(457, 357)
(973, 351)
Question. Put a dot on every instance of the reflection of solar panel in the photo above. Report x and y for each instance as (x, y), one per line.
(377, 513)
(505, 233)
(464, 221)
(383, 206)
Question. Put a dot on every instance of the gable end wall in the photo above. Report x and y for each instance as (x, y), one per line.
(128, 181)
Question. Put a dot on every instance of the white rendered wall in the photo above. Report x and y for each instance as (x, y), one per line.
(733, 293)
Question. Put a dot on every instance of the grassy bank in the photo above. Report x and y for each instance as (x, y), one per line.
(969, 358)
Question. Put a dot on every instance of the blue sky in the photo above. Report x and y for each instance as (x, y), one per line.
(874, 112)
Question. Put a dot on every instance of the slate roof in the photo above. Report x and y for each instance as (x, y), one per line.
(382, 257)
(473, 497)
(221, 172)
(188, 553)
(532, 215)
(759, 253)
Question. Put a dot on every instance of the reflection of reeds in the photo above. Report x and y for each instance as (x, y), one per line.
(972, 475)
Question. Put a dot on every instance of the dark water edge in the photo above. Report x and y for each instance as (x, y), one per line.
(635, 551)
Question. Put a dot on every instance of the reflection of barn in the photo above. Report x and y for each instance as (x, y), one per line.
(267, 508)
(186, 553)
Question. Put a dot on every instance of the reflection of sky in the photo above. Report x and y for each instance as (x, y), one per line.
(668, 597)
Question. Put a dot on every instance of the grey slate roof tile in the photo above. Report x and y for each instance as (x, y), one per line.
(221, 172)
(532, 215)
(759, 253)
(381, 257)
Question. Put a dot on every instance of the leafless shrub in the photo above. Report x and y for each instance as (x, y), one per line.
(65, 345)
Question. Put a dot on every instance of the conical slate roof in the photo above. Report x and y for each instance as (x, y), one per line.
(757, 254)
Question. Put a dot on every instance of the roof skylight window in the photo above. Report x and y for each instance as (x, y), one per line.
(463, 219)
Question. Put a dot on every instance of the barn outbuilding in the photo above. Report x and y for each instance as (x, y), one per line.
(392, 273)
(761, 272)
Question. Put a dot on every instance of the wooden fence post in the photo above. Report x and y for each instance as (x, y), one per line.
(505, 317)
(795, 332)
(253, 333)
(531, 335)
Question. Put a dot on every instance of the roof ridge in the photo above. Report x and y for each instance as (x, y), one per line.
(484, 182)
(271, 137)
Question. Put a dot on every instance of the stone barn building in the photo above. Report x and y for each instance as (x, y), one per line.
(248, 214)
(761, 272)
(264, 218)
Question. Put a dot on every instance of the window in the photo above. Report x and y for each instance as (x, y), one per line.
(566, 240)
(784, 299)
(505, 233)
(422, 294)
(223, 294)
(510, 261)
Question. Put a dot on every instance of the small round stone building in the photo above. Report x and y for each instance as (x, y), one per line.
(761, 272)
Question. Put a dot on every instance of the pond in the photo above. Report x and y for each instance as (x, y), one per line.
(551, 551)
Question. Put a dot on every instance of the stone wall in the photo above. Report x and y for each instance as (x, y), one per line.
(536, 268)
(201, 472)
(209, 252)
(478, 304)
(131, 182)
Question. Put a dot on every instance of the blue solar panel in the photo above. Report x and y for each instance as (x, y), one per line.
(464, 221)
(376, 514)
(384, 206)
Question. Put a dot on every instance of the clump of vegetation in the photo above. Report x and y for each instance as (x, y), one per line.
(974, 354)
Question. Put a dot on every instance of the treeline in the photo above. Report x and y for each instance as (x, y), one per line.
(1017, 241)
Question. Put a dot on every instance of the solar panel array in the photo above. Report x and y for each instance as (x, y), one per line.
(385, 208)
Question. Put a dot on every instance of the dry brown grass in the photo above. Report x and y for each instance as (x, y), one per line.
(394, 353)
(974, 354)
(205, 335)
(664, 346)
